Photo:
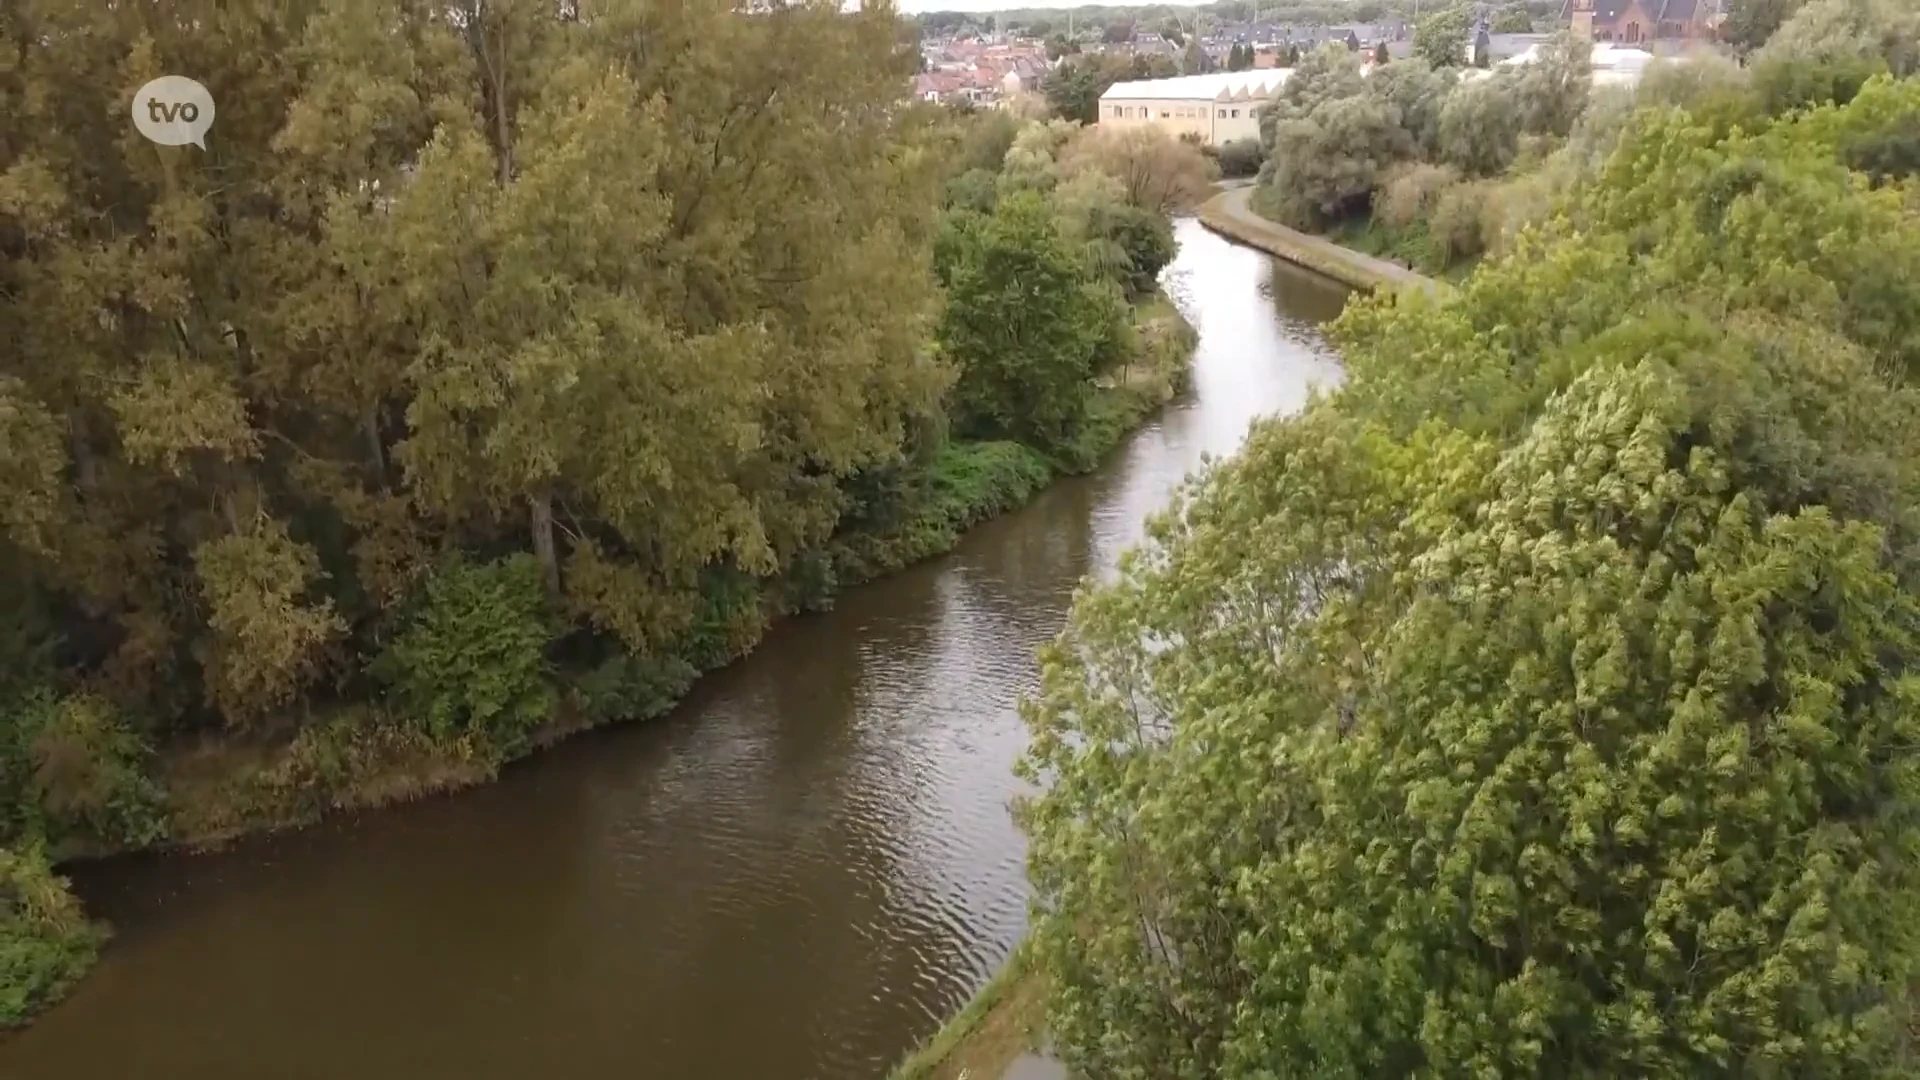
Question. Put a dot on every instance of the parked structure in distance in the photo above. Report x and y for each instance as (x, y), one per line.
(1217, 108)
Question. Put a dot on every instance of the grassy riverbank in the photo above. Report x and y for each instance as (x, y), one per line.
(1005, 1019)
(212, 790)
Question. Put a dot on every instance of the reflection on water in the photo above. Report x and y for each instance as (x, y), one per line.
(794, 875)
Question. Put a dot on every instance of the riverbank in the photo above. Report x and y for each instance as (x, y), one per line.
(1003, 1021)
(213, 791)
(222, 789)
(1231, 214)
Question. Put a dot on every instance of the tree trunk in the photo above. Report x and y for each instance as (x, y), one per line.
(370, 424)
(541, 503)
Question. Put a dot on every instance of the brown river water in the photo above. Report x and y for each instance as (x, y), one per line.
(793, 876)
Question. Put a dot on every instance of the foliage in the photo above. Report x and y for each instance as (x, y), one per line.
(1157, 172)
(1480, 127)
(1828, 49)
(396, 312)
(1441, 38)
(1553, 90)
(1416, 94)
(470, 660)
(1241, 158)
(1458, 222)
(1542, 701)
(1328, 139)
(1025, 328)
(1411, 192)
(1074, 86)
(75, 774)
(1513, 20)
(45, 942)
(1751, 23)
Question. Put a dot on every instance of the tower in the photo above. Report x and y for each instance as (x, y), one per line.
(1582, 20)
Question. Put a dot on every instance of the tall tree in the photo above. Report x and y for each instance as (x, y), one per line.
(1534, 675)
(1441, 39)
(1026, 327)
(1750, 23)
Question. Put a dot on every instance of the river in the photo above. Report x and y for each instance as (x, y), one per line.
(794, 876)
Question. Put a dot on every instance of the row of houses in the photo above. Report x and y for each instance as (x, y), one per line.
(979, 71)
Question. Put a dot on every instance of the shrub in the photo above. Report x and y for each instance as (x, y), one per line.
(624, 687)
(74, 773)
(1156, 171)
(470, 658)
(1241, 158)
(45, 941)
(1458, 224)
(728, 621)
(1480, 126)
(1829, 49)
(1411, 192)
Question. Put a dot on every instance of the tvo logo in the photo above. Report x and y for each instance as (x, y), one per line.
(173, 110)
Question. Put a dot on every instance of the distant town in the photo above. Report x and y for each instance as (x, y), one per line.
(1000, 59)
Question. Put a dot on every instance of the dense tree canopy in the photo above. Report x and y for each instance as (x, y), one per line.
(1542, 702)
(492, 371)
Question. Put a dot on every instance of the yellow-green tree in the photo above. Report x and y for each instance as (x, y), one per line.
(1543, 701)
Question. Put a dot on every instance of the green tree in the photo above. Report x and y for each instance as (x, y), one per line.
(1553, 90)
(1480, 127)
(1551, 668)
(1074, 86)
(1328, 139)
(1441, 38)
(1513, 20)
(1157, 172)
(1751, 23)
(1380, 54)
(1828, 49)
(1026, 327)
(1194, 59)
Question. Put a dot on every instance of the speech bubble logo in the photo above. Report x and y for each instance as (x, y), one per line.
(173, 110)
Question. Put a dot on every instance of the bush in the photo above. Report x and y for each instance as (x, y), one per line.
(624, 688)
(963, 483)
(1147, 240)
(74, 773)
(1458, 225)
(1411, 192)
(469, 661)
(728, 622)
(1829, 49)
(1241, 158)
(971, 482)
(45, 942)
(1480, 126)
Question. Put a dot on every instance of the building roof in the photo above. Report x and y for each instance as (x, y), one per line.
(1606, 57)
(1608, 12)
(1218, 86)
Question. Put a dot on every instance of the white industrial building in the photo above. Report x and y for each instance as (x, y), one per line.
(1219, 108)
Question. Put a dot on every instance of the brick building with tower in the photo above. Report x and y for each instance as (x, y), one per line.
(1631, 22)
